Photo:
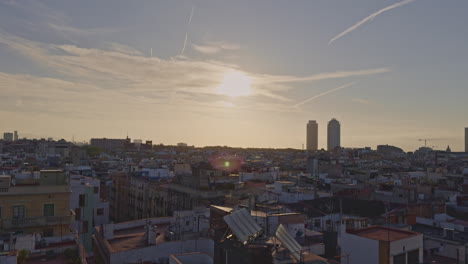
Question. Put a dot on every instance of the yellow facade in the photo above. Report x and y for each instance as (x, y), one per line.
(34, 219)
(42, 209)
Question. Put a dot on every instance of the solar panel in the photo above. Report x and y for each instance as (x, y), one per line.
(289, 242)
(243, 226)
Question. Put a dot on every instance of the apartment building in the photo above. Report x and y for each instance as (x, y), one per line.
(37, 205)
(89, 208)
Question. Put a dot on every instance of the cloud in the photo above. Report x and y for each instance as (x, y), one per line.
(215, 47)
(325, 76)
(120, 72)
(370, 18)
(90, 32)
(322, 94)
(124, 49)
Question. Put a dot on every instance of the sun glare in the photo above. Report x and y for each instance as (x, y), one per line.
(235, 84)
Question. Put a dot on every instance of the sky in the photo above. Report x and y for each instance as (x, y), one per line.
(239, 73)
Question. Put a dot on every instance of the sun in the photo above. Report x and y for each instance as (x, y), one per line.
(235, 84)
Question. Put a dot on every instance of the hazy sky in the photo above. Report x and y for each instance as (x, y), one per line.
(391, 72)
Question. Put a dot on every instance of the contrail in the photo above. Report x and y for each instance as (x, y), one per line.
(188, 25)
(322, 94)
(191, 15)
(185, 44)
(370, 18)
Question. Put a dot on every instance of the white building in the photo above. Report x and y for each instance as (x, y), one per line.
(333, 134)
(88, 206)
(289, 192)
(378, 244)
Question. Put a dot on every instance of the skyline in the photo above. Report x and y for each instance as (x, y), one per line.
(165, 71)
(423, 142)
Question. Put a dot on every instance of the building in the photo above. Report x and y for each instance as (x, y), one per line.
(382, 245)
(333, 134)
(36, 207)
(7, 136)
(312, 135)
(466, 139)
(15, 136)
(89, 208)
(109, 143)
(151, 240)
(136, 197)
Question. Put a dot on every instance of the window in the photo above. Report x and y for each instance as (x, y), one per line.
(82, 200)
(49, 209)
(317, 222)
(84, 227)
(100, 211)
(96, 189)
(48, 232)
(413, 257)
(78, 214)
(18, 211)
(399, 259)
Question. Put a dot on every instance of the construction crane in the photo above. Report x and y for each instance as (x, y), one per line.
(429, 139)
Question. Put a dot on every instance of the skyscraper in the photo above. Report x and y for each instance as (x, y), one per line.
(15, 136)
(333, 134)
(8, 136)
(466, 139)
(312, 135)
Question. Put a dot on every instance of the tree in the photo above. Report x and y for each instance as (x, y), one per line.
(23, 255)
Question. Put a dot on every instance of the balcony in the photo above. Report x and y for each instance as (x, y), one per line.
(42, 221)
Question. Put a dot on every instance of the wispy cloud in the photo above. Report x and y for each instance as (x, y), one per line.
(215, 47)
(123, 71)
(370, 18)
(327, 75)
(322, 94)
(90, 32)
(188, 27)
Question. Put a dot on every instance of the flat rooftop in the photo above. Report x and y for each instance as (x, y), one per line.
(382, 233)
(134, 238)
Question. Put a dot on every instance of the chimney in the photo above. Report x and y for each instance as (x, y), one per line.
(108, 231)
(151, 233)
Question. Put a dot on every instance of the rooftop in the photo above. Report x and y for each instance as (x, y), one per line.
(133, 238)
(382, 233)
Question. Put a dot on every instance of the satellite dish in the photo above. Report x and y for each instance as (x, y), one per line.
(13, 182)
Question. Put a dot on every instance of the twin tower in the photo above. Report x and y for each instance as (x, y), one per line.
(333, 135)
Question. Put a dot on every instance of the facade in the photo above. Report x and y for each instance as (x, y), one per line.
(137, 197)
(37, 207)
(7, 136)
(333, 134)
(382, 245)
(90, 209)
(312, 135)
